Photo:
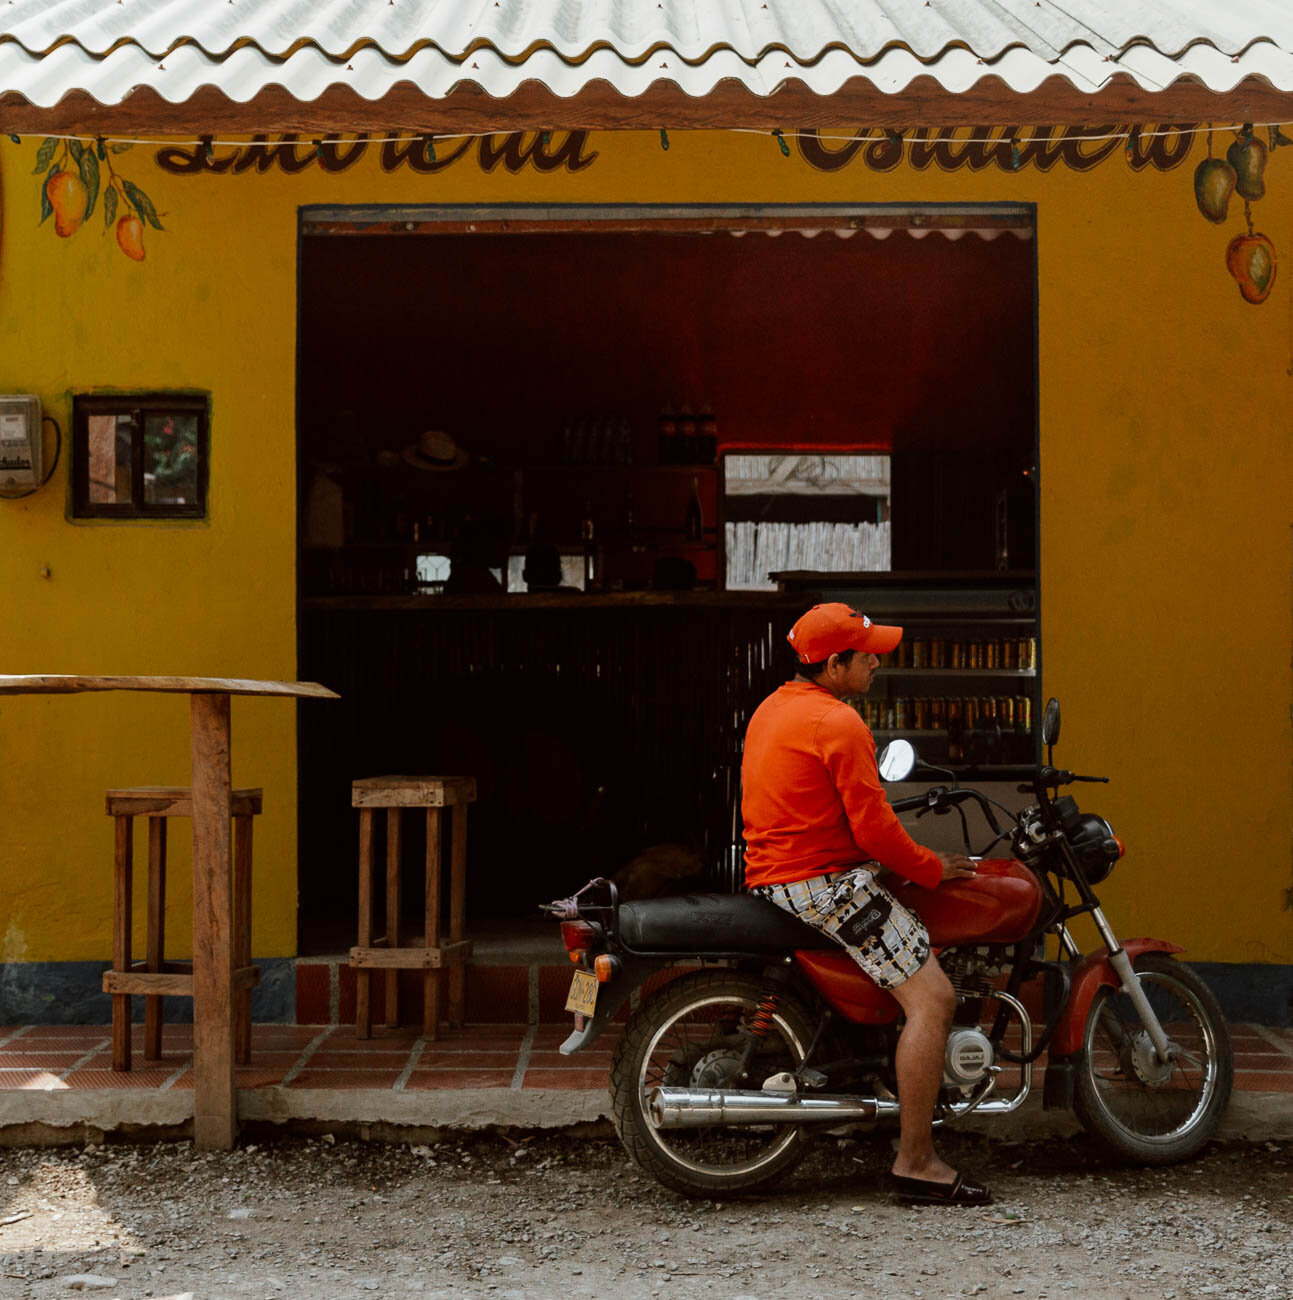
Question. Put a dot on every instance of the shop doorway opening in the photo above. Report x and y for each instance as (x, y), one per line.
(482, 391)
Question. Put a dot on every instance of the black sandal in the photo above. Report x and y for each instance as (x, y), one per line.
(924, 1191)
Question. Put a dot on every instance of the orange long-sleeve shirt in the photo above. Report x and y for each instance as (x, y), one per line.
(811, 795)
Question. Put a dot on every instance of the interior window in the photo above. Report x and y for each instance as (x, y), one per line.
(140, 457)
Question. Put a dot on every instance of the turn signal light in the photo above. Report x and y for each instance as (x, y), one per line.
(604, 967)
(1122, 848)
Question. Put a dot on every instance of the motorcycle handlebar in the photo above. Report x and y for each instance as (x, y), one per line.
(1057, 776)
(941, 797)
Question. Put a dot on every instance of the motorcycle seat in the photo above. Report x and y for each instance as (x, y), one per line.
(715, 924)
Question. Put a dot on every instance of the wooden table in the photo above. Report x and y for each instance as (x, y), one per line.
(215, 1119)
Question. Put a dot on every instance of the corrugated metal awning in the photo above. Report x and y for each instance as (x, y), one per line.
(473, 64)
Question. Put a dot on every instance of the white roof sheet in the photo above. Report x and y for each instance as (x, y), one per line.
(49, 48)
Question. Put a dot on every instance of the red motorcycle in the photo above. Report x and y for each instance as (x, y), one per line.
(721, 1073)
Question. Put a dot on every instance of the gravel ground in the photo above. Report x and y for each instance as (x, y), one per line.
(559, 1216)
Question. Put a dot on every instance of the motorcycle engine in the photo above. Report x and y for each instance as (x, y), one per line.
(968, 1059)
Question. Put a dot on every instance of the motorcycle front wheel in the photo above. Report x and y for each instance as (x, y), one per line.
(1149, 1111)
(694, 1034)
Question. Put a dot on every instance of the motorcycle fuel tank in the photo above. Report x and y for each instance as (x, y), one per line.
(999, 905)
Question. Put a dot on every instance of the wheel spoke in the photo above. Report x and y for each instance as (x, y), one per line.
(1137, 1092)
(703, 1046)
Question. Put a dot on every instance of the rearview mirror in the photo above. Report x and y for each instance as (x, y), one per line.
(1051, 722)
(897, 759)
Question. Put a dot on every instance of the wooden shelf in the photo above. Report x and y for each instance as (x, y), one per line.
(955, 672)
(521, 601)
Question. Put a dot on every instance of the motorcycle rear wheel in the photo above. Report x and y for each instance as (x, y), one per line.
(1136, 1107)
(689, 1035)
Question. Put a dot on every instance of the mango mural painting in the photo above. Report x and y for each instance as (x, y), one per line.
(1250, 257)
(73, 178)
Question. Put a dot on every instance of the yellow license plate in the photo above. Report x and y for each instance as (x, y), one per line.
(583, 994)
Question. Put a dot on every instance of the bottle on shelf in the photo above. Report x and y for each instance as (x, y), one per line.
(667, 441)
(706, 437)
(693, 520)
(587, 535)
(955, 735)
(686, 437)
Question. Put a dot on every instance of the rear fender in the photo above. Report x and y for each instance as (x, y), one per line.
(1090, 974)
(612, 995)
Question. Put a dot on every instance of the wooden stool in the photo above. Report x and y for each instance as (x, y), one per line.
(156, 977)
(395, 793)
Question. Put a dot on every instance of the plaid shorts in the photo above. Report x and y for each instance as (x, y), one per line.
(889, 942)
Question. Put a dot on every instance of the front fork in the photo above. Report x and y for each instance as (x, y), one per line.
(1131, 986)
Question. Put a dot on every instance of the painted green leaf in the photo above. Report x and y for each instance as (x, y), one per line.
(46, 207)
(120, 146)
(143, 204)
(90, 175)
(46, 155)
(109, 206)
(78, 150)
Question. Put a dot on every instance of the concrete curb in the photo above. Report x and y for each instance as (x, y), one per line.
(1252, 1117)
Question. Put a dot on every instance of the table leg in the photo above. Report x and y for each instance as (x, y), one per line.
(215, 1121)
(392, 974)
(431, 978)
(364, 975)
(156, 932)
(242, 932)
(122, 872)
(458, 912)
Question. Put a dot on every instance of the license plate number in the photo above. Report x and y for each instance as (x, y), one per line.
(583, 994)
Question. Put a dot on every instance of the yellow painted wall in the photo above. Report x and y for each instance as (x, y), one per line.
(1165, 420)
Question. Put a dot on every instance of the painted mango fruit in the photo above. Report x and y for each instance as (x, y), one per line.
(130, 236)
(67, 195)
(1248, 157)
(1251, 260)
(1214, 183)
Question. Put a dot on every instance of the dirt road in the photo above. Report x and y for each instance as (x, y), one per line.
(562, 1217)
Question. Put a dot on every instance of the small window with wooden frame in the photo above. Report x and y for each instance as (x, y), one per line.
(140, 456)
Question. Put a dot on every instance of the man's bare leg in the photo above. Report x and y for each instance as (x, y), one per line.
(928, 1001)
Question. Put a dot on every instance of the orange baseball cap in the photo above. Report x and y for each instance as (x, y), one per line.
(827, 629)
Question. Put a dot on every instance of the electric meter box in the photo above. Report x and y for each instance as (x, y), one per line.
(20, 461)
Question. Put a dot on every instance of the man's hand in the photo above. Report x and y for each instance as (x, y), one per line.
(956, 866)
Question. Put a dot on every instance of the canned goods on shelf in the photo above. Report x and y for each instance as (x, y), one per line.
(937, 652)
(920, 714)
(901, 714)
(1006, 710)
(938, 713)
(902, 655)
(920, 654)
(957, 651)
(992, 654)
(987, 708)
(1023, 713)
(1027, 652)
(1009, 652)
(974, 654)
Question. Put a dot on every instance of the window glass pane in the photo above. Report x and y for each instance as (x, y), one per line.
(170, 459)
(110, 458)
(823, 513)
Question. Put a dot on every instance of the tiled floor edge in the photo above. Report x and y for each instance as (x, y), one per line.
(105, 1108)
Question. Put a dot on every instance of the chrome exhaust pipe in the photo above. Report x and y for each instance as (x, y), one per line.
(709, 1107)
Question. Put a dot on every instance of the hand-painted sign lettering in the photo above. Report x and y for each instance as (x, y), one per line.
(542, 150)
(1009, 148)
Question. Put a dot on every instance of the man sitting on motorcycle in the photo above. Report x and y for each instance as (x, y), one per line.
(818, 829)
